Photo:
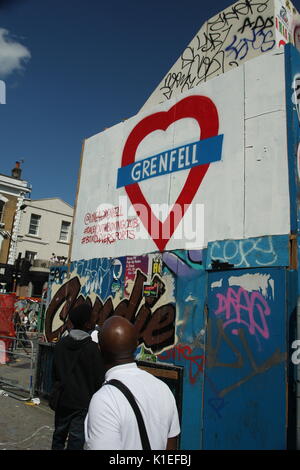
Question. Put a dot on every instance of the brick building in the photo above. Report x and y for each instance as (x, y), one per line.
(13, 191)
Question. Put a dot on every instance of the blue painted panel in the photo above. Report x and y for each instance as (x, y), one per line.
(245, 378)
(250, 252)
(292, 297)
(188, 351)
(292, 78)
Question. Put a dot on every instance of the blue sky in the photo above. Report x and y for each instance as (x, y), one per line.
(88, 65)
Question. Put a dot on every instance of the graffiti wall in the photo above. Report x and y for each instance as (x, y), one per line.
(163, 295)
(134, 287)
(28, 307)
(223, 328)
(224, 152)
(246, 354)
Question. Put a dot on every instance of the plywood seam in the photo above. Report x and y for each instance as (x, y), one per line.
(264, 114)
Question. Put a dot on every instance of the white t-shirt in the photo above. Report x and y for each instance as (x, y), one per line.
(94, 336)
(111, 423)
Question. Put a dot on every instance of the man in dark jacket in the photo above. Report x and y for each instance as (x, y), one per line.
(78, 365)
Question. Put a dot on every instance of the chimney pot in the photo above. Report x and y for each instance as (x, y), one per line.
(17, 171)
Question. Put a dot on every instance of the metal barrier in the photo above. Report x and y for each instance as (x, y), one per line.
(17, 366)
(43, 380)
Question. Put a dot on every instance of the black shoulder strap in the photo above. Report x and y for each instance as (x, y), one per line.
(138, 414)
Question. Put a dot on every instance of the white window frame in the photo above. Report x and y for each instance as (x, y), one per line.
(30, 258)
(65, 231)
(38, 219)
(4, 201)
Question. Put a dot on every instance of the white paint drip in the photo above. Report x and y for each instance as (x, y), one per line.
(169, 295)
(271, 282)
(190, 298)
(217, 284)
(253, 282)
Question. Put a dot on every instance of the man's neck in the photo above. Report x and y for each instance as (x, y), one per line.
(118, 362)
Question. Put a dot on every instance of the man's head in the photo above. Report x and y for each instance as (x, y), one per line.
(81, 317)
(118, 341)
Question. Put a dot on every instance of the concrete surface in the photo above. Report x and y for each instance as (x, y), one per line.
(25, 426)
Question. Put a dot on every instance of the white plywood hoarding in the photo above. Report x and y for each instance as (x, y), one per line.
(266, 162)
(186, 158)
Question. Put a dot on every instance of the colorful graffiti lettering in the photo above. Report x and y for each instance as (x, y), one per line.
(242, 355)
(242, 308)
(296, 94)
(58, 274)
(262, 251)
(155, 329)
(181, 352)
(99, 275)
(258, 39)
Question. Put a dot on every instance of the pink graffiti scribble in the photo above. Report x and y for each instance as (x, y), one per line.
(241, 307)
(180, 352)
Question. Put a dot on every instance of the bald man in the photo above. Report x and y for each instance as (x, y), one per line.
(111, 423)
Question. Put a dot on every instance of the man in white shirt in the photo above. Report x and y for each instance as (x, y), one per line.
(111, 423)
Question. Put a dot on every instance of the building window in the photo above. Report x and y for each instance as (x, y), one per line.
(34, 224)
(64, 231)
(30, 255)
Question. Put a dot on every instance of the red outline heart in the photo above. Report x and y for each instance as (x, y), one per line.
(205, 112)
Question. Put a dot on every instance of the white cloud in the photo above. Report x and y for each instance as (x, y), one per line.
(12, 54)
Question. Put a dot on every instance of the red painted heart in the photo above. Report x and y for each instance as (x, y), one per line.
(203, 110)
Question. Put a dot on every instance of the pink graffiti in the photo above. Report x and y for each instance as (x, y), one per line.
(241, 307)
(180, 352)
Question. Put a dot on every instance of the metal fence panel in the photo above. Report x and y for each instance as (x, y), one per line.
(43, 381)
(17, 365)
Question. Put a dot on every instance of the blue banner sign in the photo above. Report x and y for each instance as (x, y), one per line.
(181, 158)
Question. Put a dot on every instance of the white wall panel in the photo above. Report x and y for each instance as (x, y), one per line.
(265, 84)
(244, 194)
(266, 176)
